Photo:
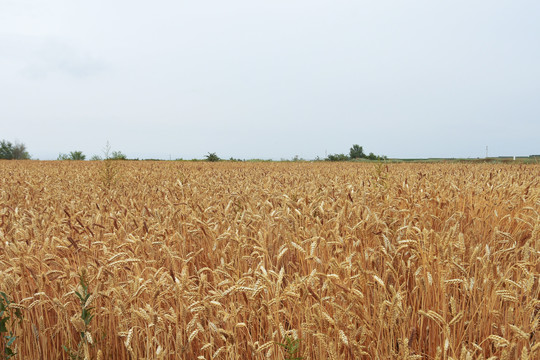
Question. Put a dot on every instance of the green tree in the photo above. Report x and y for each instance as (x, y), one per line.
(212, 157)
(77, 155)
(19, 152)
(11, 151)
(6, 150)
(356, 152)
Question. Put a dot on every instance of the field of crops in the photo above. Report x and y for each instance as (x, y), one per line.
(193, 260)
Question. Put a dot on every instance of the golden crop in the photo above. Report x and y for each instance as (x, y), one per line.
(225, 260)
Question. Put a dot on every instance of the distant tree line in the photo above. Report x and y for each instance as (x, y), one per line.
(78, 155)
(10, 151)
(356, 152)
(18, 151)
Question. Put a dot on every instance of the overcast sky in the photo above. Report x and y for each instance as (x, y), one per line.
(271, 79)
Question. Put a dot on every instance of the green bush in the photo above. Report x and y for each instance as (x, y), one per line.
(73, 155)
(337, 157)
(118, 155)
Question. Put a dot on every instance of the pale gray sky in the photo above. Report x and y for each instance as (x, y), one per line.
(271, 79)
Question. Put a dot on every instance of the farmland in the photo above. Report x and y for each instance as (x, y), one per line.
(187, 260)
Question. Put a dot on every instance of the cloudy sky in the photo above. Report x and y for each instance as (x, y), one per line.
(271, 79)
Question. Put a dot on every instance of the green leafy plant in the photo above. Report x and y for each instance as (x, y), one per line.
(8, 319)
(291, 347)
(82, 324)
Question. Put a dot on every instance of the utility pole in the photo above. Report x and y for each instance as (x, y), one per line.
(486, 151)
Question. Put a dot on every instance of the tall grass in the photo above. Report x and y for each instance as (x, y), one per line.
(225, 260)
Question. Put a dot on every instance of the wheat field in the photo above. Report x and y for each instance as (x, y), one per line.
(193, 260)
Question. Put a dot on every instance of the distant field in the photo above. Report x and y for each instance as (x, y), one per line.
(195, 260)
